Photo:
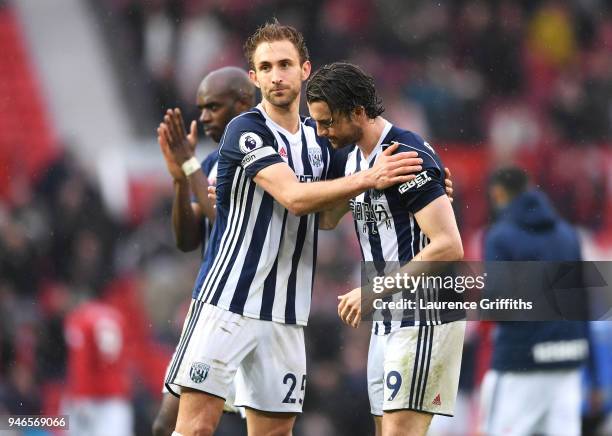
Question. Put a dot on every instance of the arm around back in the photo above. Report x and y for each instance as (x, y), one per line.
(303, 198)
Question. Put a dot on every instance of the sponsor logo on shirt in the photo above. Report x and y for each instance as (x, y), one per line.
(307, 178)
(420, 180)
(373, 213)
(248, 159)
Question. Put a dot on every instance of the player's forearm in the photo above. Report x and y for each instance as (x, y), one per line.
(184, 222)
(442, 248)
(199, 186)
(329, 218)
(305, 198)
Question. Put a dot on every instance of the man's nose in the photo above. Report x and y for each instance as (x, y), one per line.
(277, 78)
(205, 116)
(321, 130)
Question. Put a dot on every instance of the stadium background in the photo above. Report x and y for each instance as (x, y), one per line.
(85, 198)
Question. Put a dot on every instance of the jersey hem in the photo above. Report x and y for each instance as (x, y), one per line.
(301, 323)
(453, 318)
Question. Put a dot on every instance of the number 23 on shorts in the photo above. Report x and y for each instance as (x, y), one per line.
(290, 380)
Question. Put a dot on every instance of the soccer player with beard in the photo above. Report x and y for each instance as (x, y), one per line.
(252, 295)
(222, 95)
(413, 361)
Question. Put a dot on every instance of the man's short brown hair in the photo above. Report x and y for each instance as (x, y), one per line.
(275, 31)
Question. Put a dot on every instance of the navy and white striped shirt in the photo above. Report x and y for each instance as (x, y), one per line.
(260, 260)
(384, 221)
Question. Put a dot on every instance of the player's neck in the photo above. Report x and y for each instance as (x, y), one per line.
(288, 117)
(372, 129)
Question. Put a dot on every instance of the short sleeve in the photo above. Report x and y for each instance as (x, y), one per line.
(428, 184)
(249, 144)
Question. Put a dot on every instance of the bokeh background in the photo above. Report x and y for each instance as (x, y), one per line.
(85, 198)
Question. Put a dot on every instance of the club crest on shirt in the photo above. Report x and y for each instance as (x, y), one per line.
(249, 141)
(314, 156)
(199, 372)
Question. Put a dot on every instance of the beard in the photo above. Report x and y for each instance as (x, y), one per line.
(351, 137)
(286, 99)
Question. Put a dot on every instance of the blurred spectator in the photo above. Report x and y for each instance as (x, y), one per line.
(20, 395)
(551, 34)
(533, 386)
(98, 386)
(513, 129)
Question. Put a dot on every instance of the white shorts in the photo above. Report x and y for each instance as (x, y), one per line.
(535, 402)
(267, 359)
(92, 417)
(416, 368)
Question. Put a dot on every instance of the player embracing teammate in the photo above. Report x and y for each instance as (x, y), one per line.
(414, 358)
(252, 295)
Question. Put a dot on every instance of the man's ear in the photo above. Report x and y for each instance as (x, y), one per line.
(253, 77)
(243, 104)
(306, 69)
(359, 112)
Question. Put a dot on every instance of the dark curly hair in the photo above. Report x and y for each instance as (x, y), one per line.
(274, 31)
(344, 87)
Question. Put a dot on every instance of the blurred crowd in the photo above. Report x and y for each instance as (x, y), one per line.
(527, 78)
(518, 81)
(61, 248)
(514, 73)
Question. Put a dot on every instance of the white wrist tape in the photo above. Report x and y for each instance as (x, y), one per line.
(190, 166)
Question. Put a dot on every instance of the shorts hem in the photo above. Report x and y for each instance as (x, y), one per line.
(258, 409)
(195, 389)
(171, 391)
(429, 412)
